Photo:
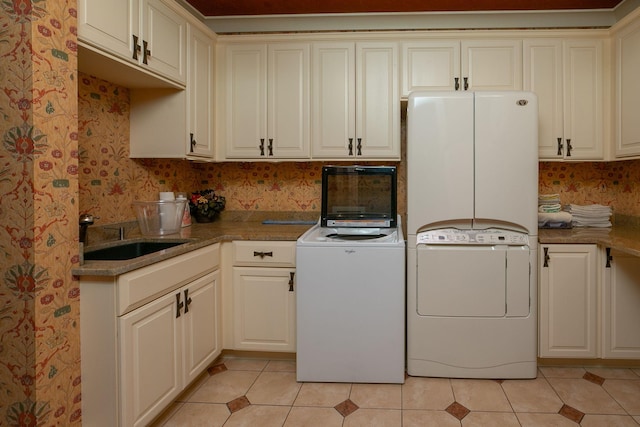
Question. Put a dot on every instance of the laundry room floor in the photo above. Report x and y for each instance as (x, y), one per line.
(264, 393)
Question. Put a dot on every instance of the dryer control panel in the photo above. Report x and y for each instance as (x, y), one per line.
(490, 236)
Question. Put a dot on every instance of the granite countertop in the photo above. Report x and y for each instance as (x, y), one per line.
(229, 227)
(623, 236)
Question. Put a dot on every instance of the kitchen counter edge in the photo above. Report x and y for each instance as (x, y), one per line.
(199, 236)
(621, 237)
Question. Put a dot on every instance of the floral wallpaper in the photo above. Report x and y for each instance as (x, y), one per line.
(39, 298)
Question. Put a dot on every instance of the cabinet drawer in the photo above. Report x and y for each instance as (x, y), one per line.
(141, 286)
(254, 253)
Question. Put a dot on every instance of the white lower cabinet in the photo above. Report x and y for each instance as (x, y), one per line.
(589, 299)
(263, 289)
(264, 309)
(150, 356)
(621, 306)
(567, 301)
(147, 334)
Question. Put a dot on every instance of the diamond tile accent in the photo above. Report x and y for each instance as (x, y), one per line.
(346, 408)
(216, 369)
(596, 379)
(236, 404)
(571, 413)
(457, 410)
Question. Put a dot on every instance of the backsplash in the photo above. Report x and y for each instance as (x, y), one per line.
(612, 184)
(110, 181)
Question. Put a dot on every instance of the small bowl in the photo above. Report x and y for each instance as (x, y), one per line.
(160, 217)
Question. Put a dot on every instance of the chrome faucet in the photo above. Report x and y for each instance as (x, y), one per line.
(85, 221)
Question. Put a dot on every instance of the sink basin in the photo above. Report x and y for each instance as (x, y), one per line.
(129, 250)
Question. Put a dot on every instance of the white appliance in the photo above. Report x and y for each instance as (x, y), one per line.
(351, 305)
(472, 185)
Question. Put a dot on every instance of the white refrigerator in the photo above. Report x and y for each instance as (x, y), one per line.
(472, 179)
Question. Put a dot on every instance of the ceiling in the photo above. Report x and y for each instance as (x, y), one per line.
(214, 8)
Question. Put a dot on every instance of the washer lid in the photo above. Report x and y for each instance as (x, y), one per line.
(352, 236)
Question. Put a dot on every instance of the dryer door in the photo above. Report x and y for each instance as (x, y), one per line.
(461, 281)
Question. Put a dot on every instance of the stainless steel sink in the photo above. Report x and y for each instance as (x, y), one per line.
(130, 250)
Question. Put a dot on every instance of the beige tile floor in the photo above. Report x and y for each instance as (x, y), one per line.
(264, 393)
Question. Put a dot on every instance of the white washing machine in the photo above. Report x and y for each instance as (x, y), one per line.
(351, 305)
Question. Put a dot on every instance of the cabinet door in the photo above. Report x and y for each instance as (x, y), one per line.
(264, 309)
(620, 302)
(288, 97)
(568, 310)
(430, 65)
(628, 91)
(200, 63)
(201, 324)
(492, 64)
(583, 116)
(109, 25)
(150, 360)
(164, 31)
(543, 76)
(377, 101)
(334, 100)
(246, 107)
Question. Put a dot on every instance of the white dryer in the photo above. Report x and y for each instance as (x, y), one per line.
(469, 304)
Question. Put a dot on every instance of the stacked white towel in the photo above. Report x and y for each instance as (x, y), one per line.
(590, 215)
(550, 213)
(549, 203)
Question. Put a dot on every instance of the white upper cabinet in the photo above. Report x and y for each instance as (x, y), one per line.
(200, 93)
(109, 25)
(356, 101)
(163, 41)
(177, 123)
(628, 90)
(267, 101)
(461, 65)
(147, 33)
(430, 65)
(491, 64)
(567, 76)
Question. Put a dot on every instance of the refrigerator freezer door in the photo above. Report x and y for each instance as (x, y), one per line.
(506, 163)
(440, 146)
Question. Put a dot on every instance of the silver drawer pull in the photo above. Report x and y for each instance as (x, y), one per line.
(262, 254)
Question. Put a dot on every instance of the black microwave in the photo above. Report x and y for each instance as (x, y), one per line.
(359, 196)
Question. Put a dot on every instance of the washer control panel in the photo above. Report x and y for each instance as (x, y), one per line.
(490, 236)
